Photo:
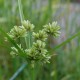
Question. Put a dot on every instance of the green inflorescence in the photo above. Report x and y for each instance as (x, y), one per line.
(37, 51)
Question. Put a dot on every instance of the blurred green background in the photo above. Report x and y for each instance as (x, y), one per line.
(65, 63)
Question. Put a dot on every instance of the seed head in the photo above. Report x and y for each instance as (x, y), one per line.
(52, 29)
(17, 31)
(41, 35)
(28, 26)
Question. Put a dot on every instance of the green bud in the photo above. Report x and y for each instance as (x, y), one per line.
(15, 51)
(17, 31)
(52, 29)
(28, 26)
(39, 44)
(30, 52)
(41, 35)
(46, 58)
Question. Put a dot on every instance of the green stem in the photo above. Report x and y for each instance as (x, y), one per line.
(29, 39)
(20, 10)
(18, 71)
(21, 16)
(26, 41)
(33, 74)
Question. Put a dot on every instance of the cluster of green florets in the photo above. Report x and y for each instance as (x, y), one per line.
(38, 51)
(17, 31)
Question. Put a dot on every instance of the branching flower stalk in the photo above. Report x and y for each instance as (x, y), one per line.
(36, 51)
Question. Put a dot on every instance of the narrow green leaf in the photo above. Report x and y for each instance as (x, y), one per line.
(66, 41)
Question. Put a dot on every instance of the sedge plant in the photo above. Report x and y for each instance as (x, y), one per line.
(35, 50)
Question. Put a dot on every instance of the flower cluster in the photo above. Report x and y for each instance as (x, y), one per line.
(15, 51)
(52, 29)
(17, 31)
(27, 25)
(41, 35)
(21, 31)
(37, 52)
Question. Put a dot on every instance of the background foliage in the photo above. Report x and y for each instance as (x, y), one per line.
(65, 63)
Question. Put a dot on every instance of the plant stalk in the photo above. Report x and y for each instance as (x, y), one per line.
(21, 16)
